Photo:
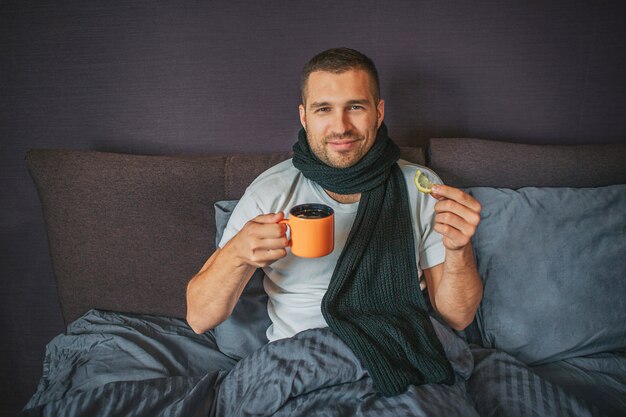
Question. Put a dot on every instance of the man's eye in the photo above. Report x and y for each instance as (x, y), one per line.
(323, 109)
(356, 107)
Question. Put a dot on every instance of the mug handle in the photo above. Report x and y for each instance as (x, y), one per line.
(286, 221)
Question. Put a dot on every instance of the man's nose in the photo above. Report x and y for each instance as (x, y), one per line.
(341, 122)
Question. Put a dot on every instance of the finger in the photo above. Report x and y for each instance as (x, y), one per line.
(271, 244)
(451, 206)
(266, 230)
(461, 197)
(263, 258)
(452, 235)
(437, 196)
(269, 218)
(456, 222)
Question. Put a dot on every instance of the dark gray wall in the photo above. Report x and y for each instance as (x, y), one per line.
(222, 76)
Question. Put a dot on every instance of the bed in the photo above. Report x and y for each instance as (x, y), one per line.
(126, 233)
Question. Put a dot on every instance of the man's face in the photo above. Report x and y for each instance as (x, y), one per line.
(340, 116)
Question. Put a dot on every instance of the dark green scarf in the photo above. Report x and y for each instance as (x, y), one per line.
(374, 302)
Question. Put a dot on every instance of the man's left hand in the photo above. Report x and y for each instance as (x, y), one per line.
(457, 215)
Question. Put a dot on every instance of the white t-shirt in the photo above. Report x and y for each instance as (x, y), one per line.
(295, 285)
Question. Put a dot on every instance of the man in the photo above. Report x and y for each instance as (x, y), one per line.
(386, 233)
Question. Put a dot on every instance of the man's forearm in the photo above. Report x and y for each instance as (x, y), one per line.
(460, 290)
(214, 291)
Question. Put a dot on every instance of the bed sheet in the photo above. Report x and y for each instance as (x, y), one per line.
(599, 379)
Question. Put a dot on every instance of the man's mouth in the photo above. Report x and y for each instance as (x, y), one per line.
(343, 144)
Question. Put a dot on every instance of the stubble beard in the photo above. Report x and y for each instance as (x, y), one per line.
(338, 159)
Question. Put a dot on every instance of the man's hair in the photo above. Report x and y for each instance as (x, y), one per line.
(338, 60)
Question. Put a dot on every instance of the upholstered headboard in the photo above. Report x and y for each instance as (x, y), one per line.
(464, 162)
(126, 232)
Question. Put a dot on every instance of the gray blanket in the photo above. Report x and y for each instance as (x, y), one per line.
(111, 364)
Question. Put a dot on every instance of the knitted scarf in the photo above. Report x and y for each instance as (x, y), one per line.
(374, 302)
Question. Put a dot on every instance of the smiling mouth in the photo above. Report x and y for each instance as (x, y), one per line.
(343, 142)
(342, 145)
(339, 142)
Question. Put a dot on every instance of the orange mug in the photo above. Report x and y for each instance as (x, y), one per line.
(312, 228)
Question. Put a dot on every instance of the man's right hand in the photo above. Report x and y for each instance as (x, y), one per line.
(261, 241)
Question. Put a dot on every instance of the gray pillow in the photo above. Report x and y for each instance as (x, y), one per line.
(244, 331)
(223, 210)
(553, 266)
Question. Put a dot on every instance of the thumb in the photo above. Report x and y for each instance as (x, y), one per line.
(434, 192)
(436, 196)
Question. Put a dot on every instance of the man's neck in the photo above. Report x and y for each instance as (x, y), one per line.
(344, 198)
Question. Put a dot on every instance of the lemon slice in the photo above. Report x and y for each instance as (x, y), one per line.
(422, 183)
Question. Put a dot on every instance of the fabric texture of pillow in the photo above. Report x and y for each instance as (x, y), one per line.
(245, 330)
(552, 264)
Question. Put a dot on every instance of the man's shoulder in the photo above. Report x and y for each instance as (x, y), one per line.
(409, 168)
(275, 175)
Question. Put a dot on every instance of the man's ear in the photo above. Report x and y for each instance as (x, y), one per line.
(302, 115)
(380, 111)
